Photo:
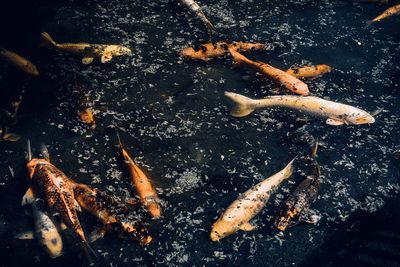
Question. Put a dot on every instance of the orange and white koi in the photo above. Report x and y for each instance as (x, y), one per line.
(237, 216)
(143, 185)
(285, 79)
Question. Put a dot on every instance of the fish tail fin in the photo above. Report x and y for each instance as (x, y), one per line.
(289, 168)
(47, 39)
(210, 27)
(89, 252)
(314, 149)
(368, 24)
(243, 105)
(119, 140)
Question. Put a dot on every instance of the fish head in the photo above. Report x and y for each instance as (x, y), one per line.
(87, 117)
(154, 210)
(326, 68)
(136, 232)
(115, 50)
(301, 88)
(123, 50)
(222, 228)
(31, 69)
(362, 118)
(285, 219)
(52, 243)
(31, 165)
(282, 222)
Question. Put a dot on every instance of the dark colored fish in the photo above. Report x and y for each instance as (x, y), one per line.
(108, 210)
(54, 187)
(83, 105)
(296, 207)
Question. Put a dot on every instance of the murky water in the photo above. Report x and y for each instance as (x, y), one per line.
(174, 119)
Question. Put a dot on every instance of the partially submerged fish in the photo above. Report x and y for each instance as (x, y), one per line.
(54, 187)
(209, 50)
(196, 9)
(387, 13)
(296, 207)
(143, 185)
(309, 71)
(45, 230)
(106, 209)
(19, 62)
(249, 204)
(89, 51)
(83, 104)
(336, 113)
(5, 135)
(283, 78)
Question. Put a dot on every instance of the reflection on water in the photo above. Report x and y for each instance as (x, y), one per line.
(174, 119)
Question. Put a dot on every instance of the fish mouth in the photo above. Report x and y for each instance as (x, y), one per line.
(365, 120)
(214, 236)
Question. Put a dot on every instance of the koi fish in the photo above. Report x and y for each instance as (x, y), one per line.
(5, 135)
(296, 207)
(387, 13)
(85, 108)
(287, 80)
(56, 189)
(89, 51)
(45, 230)
(105, 208)
(196, 9)
(20, 62)
(336, 113)
(209, 50)
(142, 183)
(249, 204)
(309, 71)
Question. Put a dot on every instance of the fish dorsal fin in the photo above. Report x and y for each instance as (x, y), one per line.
(247, 227)
(334, 122)
(87, 60)
(28, 197)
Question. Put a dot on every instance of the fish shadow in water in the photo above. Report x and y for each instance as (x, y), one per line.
(366, 239)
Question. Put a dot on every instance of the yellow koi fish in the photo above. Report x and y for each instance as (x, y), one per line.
(89, 51)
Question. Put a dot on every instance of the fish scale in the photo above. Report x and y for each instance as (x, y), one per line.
(59, 198)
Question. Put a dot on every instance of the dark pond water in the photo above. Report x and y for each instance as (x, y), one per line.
(174, 119)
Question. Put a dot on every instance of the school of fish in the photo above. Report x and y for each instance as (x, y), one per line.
(56, 200)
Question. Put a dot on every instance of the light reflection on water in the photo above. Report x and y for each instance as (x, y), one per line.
(174, 119)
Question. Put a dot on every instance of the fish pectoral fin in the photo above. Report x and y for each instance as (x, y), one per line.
(61, 226)
(27, 235)
(87, 60)
(28, 197)
(311, 217)
(131, 201)
(105, 57)
(247, 227)
(334, 122)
